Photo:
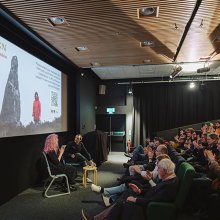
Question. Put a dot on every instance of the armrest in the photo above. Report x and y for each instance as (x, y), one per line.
(158, 210)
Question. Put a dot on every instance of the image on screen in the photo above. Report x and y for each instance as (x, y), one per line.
(30, 93)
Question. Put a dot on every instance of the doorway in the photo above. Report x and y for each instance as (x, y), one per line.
(115, 126)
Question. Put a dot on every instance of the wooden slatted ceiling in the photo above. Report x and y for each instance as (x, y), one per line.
(112, 31)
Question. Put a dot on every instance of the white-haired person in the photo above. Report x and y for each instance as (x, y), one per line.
(147, 179)
(131, 206)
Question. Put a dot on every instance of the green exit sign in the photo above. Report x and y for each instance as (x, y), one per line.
(110, 110)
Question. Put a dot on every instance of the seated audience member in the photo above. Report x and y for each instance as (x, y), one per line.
(213, 199)
(147, 179)
(206, 184)
(140, 156)
(178, 139)
(212, 140)
(161, 149)
(75, 152)
(198, 159)
(54, 155)
(210, 128)
(132, 206)
(204, 140)
(189, 132)
(204, 128)
(217, 127)
(158, 141)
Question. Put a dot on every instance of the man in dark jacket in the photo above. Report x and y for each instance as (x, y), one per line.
(75, 152)
(131, 207)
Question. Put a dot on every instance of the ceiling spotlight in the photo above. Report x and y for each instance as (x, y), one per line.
(176, 71)
(192, 85)
(95, 64)
(82, 48)
(130, 90)
(57, 21)
(147, 43)
(203, 70)
(148, 12)
(147, 61)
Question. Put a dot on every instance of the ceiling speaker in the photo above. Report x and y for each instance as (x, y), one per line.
(102, 89)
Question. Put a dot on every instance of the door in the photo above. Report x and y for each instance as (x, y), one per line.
(115, 126)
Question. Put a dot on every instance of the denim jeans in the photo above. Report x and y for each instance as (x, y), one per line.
(81, 159)
(115, 192)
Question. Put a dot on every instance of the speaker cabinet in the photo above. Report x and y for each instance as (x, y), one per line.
(102, 89)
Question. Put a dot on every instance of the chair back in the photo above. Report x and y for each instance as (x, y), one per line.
(185, 175)
(47, 163)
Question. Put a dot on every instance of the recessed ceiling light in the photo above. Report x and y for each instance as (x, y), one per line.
(147, 61)
(57, 21)
(148, 12)
(95, 64)
(147, 43)
(192, 85)
(82, 48)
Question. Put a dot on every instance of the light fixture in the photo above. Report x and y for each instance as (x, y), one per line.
(147, 61)
(192, 85)
(82, 48)
(95, 64)
(176, 70)
(147, 43)
(130, 90)
(203, 70)
(57, 21)
(148, 12)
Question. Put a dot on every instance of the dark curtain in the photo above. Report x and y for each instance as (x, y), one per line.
(96, 144)
(164, 106)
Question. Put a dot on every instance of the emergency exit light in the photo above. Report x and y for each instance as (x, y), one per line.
(110, 110)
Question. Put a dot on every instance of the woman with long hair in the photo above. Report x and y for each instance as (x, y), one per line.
(54, 155)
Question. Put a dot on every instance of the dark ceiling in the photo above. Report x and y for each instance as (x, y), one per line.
(122, 43)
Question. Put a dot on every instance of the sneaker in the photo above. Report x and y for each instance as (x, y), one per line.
(86, 215)
(96, 188)
(128, 155)
(88, 180)
(106, 200)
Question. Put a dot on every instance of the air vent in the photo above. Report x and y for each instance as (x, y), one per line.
(148, 12)
(57, 21)
(147, 43)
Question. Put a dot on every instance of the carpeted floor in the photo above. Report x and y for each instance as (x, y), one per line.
(30, 205)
